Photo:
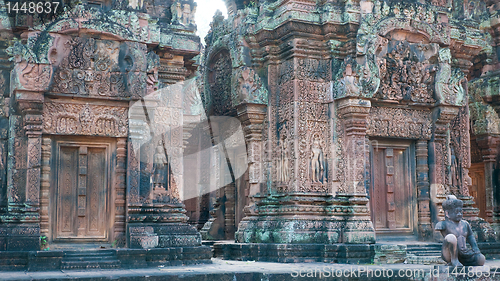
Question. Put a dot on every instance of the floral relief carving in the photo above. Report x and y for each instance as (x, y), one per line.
(85, 119)
(415, 124)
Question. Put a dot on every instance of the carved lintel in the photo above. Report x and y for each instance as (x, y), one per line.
(65, 118)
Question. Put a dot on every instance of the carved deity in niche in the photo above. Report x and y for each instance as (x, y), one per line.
(160, 170)
(283, 161)
(348, 82)
(454, 170)
(317, 161)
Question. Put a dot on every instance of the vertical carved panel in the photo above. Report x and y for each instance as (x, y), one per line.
(423, 196)
(133, 175)
(96, 192)
(390, 183)
(66, 191)
(120, 189)
(45, 182)
(379, 206)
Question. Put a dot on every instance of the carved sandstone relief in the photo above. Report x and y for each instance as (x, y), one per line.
(84, 119)
(91, 67)
(411, 124)
(405, 75)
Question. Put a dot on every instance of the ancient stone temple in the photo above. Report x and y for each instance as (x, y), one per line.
(305, 130)
(84, 93)
(359, 118)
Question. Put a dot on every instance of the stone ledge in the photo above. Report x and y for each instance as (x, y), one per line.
(126, 258)
(292, 253)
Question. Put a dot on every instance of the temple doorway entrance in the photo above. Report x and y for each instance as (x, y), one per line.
(81, 199)
(392, 192)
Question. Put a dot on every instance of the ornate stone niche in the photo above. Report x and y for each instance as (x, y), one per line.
(219, 101)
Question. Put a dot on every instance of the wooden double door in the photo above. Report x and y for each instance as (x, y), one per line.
(393, 190)
(81, 198)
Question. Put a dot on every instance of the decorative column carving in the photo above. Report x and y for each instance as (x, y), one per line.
(353, 112)
(23, 217)
(423, 198)
(120, 192)
(252, 116)
(45, 185)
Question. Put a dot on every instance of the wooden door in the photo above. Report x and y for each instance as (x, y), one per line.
(477, 189)
(392, 196)
(81, 195)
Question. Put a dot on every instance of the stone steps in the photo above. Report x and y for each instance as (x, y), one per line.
(424, 254)
(103, 259)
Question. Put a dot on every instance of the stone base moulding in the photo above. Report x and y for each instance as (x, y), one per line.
(100, 259)
(291, 253)
(162, 235)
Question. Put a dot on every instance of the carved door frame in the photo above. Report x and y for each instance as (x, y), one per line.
(409, 146)
(100, 142)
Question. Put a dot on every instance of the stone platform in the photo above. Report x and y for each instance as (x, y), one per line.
(222, 270)
(103, 259)
(291, 253)
(413, 252)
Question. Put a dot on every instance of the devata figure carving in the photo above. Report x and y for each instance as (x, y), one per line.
(283, 165)
(317, 161)
(160, 169)
(456, 233)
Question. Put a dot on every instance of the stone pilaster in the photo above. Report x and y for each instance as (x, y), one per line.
(22, 221)
(251, 117)
(353, 113)
(423, 191)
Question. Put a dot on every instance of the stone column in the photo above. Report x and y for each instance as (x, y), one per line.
(423, 191)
